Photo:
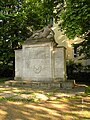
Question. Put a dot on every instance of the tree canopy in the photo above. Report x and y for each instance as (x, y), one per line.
(18, 18)
(75, 21)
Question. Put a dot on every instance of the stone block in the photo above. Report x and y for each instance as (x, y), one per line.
(40, 62)
(69, 84)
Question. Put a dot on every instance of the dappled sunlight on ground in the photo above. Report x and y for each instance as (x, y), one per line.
(49, 110)
(36, 104)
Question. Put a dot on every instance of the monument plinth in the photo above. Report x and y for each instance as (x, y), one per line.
(40, 60)
(40, 63)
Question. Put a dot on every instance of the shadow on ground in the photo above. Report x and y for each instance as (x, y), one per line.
(57, 105)
(64, 109)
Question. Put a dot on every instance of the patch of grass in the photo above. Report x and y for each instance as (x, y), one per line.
(26, 92)
(17, 100)
(87, 90)
(50, 94)
(2, 80)
(5, 99)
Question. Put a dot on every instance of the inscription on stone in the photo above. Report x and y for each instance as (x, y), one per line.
(37, 69)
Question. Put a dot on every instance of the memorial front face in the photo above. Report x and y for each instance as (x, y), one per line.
(37, 62)
(40, 62)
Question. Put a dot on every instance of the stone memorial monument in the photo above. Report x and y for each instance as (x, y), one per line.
(40, 61)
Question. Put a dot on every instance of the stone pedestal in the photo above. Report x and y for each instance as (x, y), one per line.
(40, 61)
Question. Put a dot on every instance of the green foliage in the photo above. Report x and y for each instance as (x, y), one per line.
(72, 66)
(78, 72)
(12, 27)
(75, 17)
(87, 90)
(18, 18)
(84, 47)
(3, 80)
(75, 21)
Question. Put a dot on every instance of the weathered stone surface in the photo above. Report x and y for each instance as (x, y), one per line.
(19, 62)
(42, 61)
(37, 63)
(60, 63)
(40, 96)
(68, 84)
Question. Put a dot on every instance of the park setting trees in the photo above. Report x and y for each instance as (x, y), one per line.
(75, 21)
(19, 18)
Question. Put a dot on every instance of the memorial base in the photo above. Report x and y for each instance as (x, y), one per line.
(41, 61)
(34, 84)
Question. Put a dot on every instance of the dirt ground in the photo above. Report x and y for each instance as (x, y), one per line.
(63, 109)
(46, 105)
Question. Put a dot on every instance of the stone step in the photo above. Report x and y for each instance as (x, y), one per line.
(37, 84)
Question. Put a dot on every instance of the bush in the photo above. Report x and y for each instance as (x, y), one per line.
(87, 90)
(6, 70)
(77, 72)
